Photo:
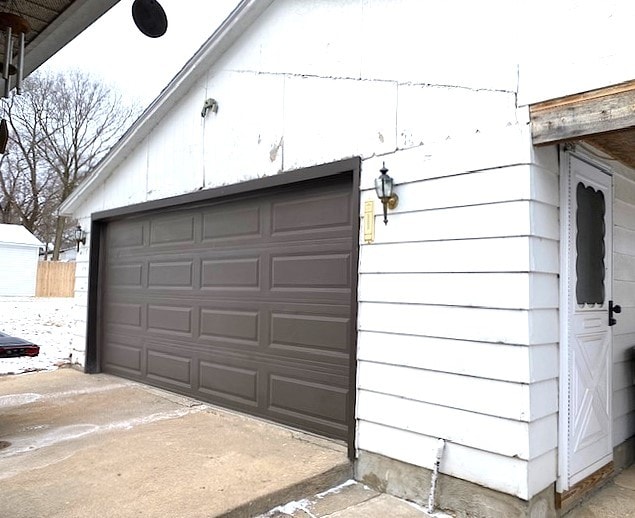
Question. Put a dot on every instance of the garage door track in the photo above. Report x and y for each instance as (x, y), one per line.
(77, 445)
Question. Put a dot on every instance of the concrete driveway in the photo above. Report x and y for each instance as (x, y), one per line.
(77, 445)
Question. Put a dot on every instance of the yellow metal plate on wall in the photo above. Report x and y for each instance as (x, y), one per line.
(369, 221)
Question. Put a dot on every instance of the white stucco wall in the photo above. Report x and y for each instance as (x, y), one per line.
(467, 268)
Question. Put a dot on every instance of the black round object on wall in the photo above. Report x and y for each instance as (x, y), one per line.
(149, 17)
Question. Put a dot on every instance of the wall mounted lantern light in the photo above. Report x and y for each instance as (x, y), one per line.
(80, 236)
(384, 187)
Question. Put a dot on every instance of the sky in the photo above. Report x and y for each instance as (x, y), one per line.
(114, 50)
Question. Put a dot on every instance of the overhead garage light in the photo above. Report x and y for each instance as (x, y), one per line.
(384, 187)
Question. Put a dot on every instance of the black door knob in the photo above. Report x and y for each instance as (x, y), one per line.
(613, 308)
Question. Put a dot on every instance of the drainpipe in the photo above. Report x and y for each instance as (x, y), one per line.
(435, 476)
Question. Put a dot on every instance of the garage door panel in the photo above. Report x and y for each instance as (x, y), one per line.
(123, 356)
(311, 214)
(170, 319)
(123, 314)
(231, 325)
(221, 223)
(310, 272)
(309, 398)
(313, 401)
(237, 273)
(169, 368)
(125, 275)
(125, 234)
(229, 382)
(245, 303)
(172, 230)
(310, 335)
(171, 274)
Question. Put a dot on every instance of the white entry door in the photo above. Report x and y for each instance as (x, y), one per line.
(588, 353)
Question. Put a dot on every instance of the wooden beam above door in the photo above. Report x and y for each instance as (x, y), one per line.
(580, 116)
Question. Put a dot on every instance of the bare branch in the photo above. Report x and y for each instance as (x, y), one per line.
(60, 128)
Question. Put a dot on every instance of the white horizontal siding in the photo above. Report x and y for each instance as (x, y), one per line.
(623, 268)
(516, 218)
(458, 313)
(502, 184)
(485, 290)
(511, 254)
(78, 344)
(18, 270)
(480, 359)
(499, 472)
(624, 294)
(522, 327)
(507, 437)
(480, 395)
(458, 154)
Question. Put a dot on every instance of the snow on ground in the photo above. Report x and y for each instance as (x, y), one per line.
(47, 322)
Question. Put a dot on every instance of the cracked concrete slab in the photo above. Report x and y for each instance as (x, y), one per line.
(79, 445)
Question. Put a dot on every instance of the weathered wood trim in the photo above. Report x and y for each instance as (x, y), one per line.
(569, 498)
(589, 113)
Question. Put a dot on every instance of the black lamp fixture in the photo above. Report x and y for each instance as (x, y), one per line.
(384, 187)
(80, 236)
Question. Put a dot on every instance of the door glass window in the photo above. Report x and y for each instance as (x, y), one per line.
(590, 249)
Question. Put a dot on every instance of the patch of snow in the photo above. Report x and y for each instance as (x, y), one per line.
(289, 509)
(337, 489)
(424, 511)
(47, 322)
(304, 505)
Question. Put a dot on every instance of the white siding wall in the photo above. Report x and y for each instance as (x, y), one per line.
(624, 294)
(18, 270)
(458, 295)
(458, 315)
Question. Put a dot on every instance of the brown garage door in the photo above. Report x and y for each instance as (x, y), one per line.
(245, 303)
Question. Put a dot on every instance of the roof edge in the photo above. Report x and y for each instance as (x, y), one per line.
(243, 15)
(68, 25)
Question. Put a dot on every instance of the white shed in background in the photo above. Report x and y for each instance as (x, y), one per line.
(18, 261)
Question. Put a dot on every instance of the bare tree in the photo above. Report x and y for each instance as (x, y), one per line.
(60, 128)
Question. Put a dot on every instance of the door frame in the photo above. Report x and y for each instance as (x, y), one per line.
(565, 152)
(99, 222)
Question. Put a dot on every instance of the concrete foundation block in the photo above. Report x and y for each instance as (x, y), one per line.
(461, 498)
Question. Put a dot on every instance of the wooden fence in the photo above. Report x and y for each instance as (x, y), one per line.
(55, 279)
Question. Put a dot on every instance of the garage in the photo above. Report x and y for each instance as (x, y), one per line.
(244, 300)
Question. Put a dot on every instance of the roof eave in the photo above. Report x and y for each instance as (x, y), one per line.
(245, 13)
(67, 26)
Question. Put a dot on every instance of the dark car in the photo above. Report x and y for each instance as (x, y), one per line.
(12, 347)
